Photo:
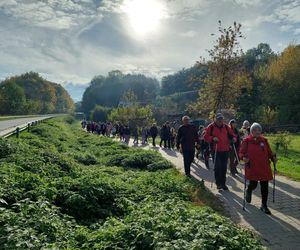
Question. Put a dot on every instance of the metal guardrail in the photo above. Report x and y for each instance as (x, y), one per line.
(16, 130)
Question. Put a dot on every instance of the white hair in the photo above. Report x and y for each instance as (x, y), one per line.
(255, 125)
(186, 117)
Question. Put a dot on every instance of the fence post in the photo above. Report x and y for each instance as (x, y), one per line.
(18, 132)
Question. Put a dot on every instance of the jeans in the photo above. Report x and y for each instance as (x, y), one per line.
(188, 158)
(264, 189)
(221, 168)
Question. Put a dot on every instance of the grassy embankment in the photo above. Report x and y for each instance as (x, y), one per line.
(61, 188)
(289, 164)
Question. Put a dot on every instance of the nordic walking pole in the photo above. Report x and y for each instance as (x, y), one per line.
(237, 157)
(245, 186)
(215, 158)
(274, 175)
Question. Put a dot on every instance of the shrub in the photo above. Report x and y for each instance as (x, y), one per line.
(171, 224)
(86, 159)
(6, 148)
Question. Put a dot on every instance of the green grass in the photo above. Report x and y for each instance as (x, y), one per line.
(289, 164)
(61, 188)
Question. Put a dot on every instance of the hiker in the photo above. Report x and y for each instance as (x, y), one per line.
(126, 134)
(88, 127)
(219, 134)
(164, 136)
(245, 130)
(186, 140)
(234, 148)
(204, 148)
(121, 132)
(256, 153)
(200, 135)
(135, 134)
(172, 136)
(144, 135)
(153, 133)
(83, 123)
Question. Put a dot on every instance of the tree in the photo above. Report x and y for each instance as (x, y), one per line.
(135, 116)
(108, 91)
(226, 75)
(185, 80)
(31, 94)
(12, 98)
(99, 113)
(282, 85)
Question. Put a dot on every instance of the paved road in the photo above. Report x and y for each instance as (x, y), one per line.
(9, 125)
(281, 231)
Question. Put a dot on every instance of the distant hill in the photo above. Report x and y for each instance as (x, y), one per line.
(31, 94)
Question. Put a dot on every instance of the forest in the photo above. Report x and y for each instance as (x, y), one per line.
(31, 94)
(265, 86)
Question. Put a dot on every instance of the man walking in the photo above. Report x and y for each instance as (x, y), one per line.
(187, 136)
(219, 135)
(153, 133)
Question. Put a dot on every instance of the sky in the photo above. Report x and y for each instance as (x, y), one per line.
(71, 41)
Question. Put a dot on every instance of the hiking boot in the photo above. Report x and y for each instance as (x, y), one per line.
(248, 196)
(188, 175)
(265, 209)
(224, 187)
(219, 187)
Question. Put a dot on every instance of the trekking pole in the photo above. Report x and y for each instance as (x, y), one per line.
(274, 182)
(215, 158)
(245, 186)
(237, 157)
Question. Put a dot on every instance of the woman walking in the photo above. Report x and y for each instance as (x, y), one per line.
(256, 153)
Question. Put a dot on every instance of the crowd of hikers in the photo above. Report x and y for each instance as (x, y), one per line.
(223, 143)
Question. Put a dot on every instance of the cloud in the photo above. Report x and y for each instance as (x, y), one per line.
(74, 40)
(189, 34)
(54, 14)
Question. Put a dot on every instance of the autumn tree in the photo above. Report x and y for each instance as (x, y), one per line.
(226, 75)
(282, 85)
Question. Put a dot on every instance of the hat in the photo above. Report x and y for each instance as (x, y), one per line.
(219, 116)
(232, 121)
(254, 126)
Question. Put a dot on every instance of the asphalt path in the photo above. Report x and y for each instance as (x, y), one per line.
(7, 126)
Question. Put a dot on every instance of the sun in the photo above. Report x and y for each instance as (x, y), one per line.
(144, 16)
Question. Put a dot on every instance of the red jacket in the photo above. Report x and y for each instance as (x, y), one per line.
(259, 153)
(223, 133)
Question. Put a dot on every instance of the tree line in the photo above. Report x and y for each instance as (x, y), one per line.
(31, 94)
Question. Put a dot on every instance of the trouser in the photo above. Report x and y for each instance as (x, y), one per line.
(233, 161)
(188, 158)
(167, 143)
(126, 138)
(221, 168)
(153, 141)
(264, 189)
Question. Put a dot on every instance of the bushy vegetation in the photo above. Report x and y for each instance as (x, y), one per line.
(61, 188)
(31, 94)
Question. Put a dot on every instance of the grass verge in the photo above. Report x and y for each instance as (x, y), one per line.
(61, 188)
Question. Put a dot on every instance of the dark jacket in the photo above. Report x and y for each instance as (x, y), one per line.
(153, 131)
(165, 133)
(187, 136)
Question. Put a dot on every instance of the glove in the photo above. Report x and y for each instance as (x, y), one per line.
(215, 139)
